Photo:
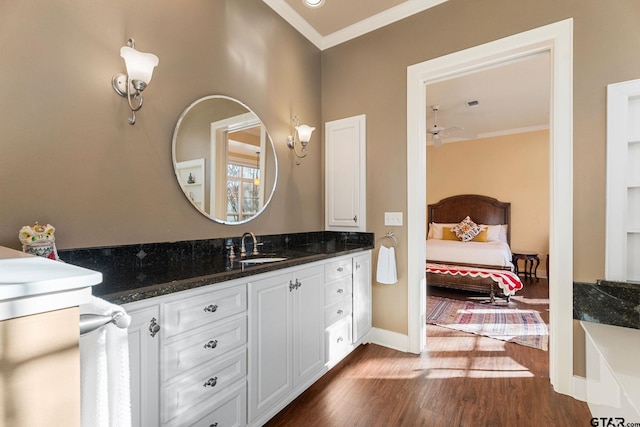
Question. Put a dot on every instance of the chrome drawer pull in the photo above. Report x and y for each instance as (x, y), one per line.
(211, 344)
(340, 291)
(211, 382)
(211, 308)
(340, 312)
(154, 328)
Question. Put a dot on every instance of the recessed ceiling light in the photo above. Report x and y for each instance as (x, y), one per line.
(313, 3)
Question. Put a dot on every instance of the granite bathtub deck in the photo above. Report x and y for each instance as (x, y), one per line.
(607, 302)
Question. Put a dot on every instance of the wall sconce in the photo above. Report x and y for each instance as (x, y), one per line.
(304, 135)
(139, 71)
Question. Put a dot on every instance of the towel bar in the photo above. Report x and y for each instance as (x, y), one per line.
(391, 236)
(91, 322)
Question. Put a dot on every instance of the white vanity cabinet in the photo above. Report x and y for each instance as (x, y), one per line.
(347, 298)
(144, 366)
(338, 300)
(286, 345)
(236, 353)
(362, 271)
(203, 356)
(188, 357)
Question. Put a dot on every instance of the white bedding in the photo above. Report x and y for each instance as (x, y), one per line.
(485, 253)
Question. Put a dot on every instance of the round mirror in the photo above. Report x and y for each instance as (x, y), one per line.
(224, 159)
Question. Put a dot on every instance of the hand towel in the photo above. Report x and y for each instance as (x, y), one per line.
(386, 272)
(104, 366)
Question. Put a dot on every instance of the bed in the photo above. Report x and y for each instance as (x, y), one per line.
(482, 264)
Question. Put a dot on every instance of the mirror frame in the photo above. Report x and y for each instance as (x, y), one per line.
(174, 141)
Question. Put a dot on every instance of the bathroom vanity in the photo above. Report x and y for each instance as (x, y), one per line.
(39, 315)
(219, 340)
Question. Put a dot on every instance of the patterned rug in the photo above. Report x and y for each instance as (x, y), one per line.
(524, 327)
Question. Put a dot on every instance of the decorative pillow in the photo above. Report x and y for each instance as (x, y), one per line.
(447, 234)
(466, 230)
(435, 230)
(482, 236)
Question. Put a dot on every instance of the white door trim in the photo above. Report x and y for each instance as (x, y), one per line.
(557, 38)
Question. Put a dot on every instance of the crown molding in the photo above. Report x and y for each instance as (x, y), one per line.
(372, 23)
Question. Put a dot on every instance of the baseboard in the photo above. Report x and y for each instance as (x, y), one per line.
(389, 339)
(579, 388)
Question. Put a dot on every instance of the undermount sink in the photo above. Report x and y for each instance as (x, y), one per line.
(260, 260)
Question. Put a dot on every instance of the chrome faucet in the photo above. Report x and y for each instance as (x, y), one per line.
(243, 251)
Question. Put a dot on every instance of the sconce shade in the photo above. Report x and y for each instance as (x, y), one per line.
(304, 133)
(139, 64)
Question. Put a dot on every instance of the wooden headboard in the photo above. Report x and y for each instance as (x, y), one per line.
(481, 209)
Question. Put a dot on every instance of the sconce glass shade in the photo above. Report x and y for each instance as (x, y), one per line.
(139, 64)
(304, 133)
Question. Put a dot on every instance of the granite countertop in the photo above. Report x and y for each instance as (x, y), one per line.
(136, 272)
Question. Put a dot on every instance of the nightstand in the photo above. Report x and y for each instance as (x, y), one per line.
(531, 263)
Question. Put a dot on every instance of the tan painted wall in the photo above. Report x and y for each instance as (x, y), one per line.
(67, 154)
(511, 168)
(368, 76)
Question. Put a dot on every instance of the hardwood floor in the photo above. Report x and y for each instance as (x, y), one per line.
(461, 380)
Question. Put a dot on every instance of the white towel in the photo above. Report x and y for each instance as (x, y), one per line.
(386, 272)
(104, 365)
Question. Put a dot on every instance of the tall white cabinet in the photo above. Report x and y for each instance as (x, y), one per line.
(346, 174)
(623, 182)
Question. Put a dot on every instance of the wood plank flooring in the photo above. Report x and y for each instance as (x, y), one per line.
(461, 380)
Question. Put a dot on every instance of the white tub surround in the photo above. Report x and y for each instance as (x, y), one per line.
(31, 284)
(613, 377)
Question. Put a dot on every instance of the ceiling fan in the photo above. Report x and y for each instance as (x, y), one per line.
(439, 132)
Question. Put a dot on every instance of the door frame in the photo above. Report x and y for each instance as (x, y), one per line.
(557, 39)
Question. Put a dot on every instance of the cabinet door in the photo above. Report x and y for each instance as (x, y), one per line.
(144, 348)
(361, 295)
(345, 174)
(270, 334)
(308, 323)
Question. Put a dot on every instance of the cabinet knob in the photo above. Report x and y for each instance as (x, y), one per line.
(211, 382)
(154, 328)
(213, 425)
(340, 312)
(212, 308)
(340, 291)
(339, 340)
(340, 269)
(211, 344)
(355, 218)
(291, 286)
(298, 283)
(357, 266)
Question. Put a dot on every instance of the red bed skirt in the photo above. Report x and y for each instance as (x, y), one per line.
(508, 281)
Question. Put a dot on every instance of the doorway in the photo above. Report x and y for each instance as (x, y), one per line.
(557, 40)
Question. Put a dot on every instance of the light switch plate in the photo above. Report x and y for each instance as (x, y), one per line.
(393, 219)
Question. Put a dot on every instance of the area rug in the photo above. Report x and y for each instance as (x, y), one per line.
(524, 327)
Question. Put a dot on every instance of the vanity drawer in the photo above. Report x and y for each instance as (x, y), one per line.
(337, 311)
(229, 410)
(337, 269)
(186, 314)
(338, 339)
(337, 290)
(204, 344)
(203, 384)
